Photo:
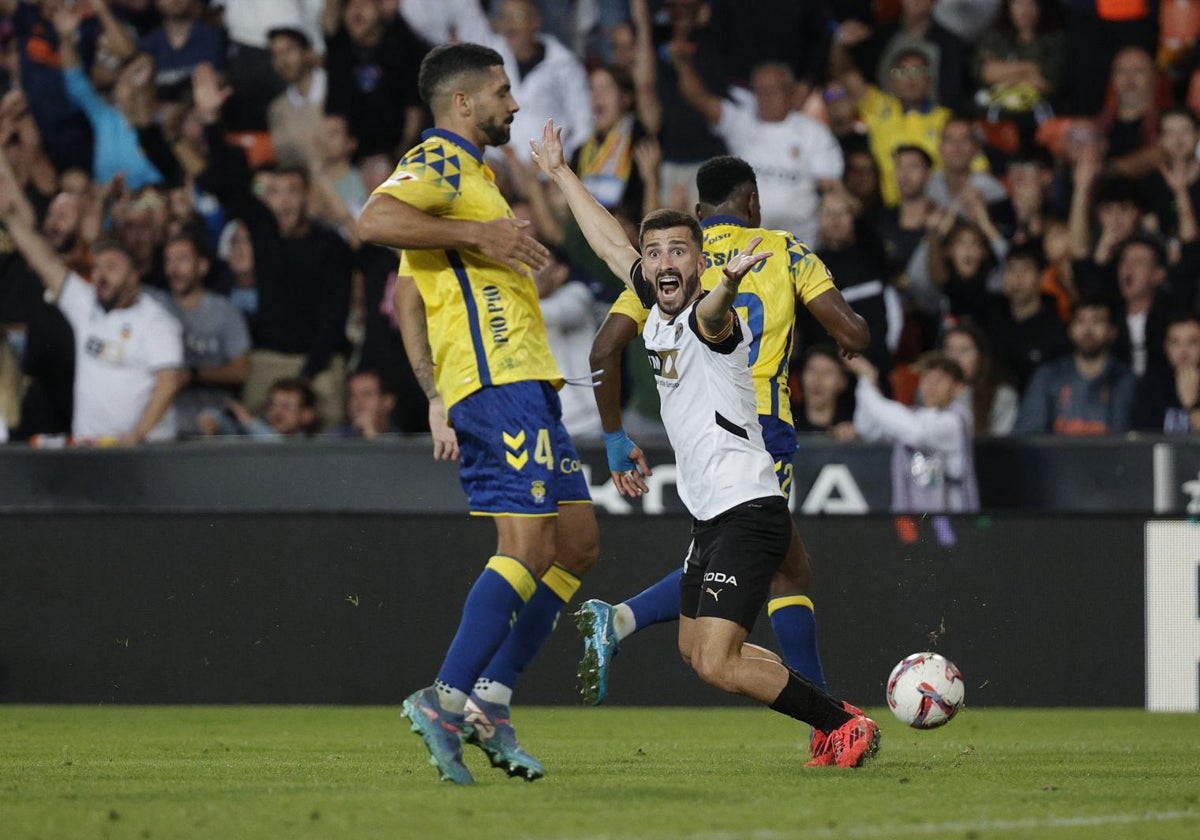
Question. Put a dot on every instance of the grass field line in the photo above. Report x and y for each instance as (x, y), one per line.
(931, 828)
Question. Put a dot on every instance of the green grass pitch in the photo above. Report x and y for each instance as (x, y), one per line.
(700, 774)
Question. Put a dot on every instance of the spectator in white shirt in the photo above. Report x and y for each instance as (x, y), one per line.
(250, 75)
(128, 347)
(294, 116)
(794, 156)
(548, 80)
(933, 465)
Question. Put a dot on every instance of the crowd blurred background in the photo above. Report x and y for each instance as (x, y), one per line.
(1013, 183)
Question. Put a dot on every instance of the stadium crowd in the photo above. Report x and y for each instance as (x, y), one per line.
(1013, 183)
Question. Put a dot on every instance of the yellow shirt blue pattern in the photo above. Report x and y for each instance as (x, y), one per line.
(485, 325)
(891, 125)
(766, 300)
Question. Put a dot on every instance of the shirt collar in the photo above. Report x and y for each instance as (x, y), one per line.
(316, 93)
(712, 221)
(466, 145)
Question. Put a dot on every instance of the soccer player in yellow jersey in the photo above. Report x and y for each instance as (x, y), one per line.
(495, 384)
(767, 299)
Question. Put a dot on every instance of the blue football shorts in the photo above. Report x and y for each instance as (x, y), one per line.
(780, 439)
(516, 456)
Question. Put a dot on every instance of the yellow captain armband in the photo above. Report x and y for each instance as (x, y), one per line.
(719, 335)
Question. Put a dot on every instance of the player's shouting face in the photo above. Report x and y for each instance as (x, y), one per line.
(492, 106)
(672, 261)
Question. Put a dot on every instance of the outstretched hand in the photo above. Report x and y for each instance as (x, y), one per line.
(738, 267)
(548, 154)
(208, 93)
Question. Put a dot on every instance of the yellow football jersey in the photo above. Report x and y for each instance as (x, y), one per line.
(485, 325)
(766, 300)
(890, 126)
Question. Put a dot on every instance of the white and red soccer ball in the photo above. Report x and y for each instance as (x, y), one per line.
(925, 690)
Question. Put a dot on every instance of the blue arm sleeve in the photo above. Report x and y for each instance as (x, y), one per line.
(619, 446)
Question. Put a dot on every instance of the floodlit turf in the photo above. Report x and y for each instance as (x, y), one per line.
(700, 774)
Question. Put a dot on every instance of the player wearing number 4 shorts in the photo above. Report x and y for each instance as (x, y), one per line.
(699, 349)
(470, 312)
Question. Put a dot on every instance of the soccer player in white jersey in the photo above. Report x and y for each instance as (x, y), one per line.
(699, 350)
(730, 216)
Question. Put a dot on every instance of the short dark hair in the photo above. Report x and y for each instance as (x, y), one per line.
(298, 35)
(620, 76)
(1118, 189)
(973, 129)
(1029, 252)
(666, 219)
(912, 149)
(296, 385)
(1182, 316)
(936, 360)
(719, 177)
(825, 350)
(444, 64)
(1146, 241)
(1095, 301)
(912, 52)
(293, 168)
(385, 387)
(108, 243)
(199, 246)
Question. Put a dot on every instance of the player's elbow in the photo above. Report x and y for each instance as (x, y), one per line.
(854, 335)
(369, 228)
(616, 332)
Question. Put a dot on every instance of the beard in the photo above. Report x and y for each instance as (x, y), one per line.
(497, 131)
(688, 288)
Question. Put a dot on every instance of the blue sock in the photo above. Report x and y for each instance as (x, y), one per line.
(795, 627)
(494, 601)
(533, 627)
(658, 604)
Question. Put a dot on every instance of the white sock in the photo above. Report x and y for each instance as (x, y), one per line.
(450, 698)
(492, 691)
(623, 621)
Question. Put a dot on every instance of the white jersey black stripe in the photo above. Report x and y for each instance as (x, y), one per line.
(708, 408)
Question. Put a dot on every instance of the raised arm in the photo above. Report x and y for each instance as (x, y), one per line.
(119, 42)
(691, 86)
(645, 68)
(604, 233)
(18, 218)
(713, 310)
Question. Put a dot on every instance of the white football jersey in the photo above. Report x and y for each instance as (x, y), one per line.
(708, 407)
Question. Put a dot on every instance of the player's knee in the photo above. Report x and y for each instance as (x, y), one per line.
(795, 575)
(685, 652)
(784, 584)
(581, 556)
(713, 667)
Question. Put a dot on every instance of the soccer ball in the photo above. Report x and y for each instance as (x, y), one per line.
(925, 690)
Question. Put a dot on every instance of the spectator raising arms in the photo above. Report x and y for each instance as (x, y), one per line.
(128, 347)
(933, 465)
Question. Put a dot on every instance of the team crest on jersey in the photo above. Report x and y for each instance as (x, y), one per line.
(678, 331)
(538, 490)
